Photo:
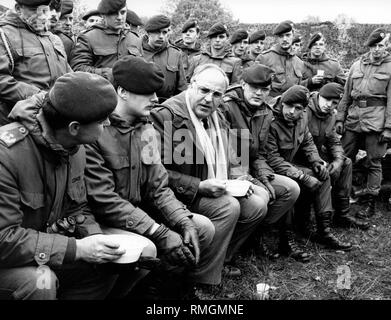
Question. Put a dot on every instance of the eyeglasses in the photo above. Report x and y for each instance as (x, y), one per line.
(205, 91)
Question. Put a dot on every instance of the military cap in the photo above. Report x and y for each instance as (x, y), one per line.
(257, 35)
(128, 71)
(133, 19)
(297, 38)
(111, 6)
(216, 29)
(375, 37)
(66, 7)
(33, 3)
(283, 27)
(238, 36)
(91, 13)
(296, 94)
(83, 96)
(157, 22)
(315, 37)
(191, 23)
(332, 90)
(258, 75)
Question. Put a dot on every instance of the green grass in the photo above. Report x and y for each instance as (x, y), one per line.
(369, 263)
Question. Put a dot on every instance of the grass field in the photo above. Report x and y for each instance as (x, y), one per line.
(369, 264)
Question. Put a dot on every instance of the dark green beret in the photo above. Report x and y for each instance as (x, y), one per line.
(133, 19)
(91, 13)
(83, 96)
(315, 37)
(238, 36)
(216, 29)
(157, 22)
(191, 23)
(258, 75)
(283, 27)
(136, 75)
(332, 90)
(257, 35)
(296, 94)
(296, 38)
(66, 7)
(375, 37)
(33, 3)
(111, 6)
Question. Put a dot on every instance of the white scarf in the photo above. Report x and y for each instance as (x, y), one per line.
(213, 150)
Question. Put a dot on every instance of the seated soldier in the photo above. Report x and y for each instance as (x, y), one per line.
(125, 177)
(291, 152)
(247, 110)
(196, 154)
(321, 123)
(50, 242)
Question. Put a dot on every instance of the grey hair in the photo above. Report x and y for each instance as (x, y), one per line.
(206, 66)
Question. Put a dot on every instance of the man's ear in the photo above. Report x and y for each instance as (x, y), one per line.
(74, 128)
(122, 93)
(242, 83)
(17, 7)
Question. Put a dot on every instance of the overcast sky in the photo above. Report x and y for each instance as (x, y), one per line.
(267, 11)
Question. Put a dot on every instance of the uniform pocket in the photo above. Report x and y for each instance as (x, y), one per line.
(32, 200)
(378, 83)
(77, 189)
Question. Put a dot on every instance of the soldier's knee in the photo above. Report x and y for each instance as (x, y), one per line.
(206, 229)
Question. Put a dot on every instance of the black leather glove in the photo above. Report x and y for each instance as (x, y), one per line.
(190, 235)
(321, 170)
(335, 168)
(339, 127)
(172, 247)
(308, 181)
(385, 136)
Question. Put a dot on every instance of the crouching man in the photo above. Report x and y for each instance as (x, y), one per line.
(321, 123)
(291, 151)
(49, 241)
(126, 182)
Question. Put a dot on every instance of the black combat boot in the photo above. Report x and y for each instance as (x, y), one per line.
(369, 210)
(288, 246)
(343, 219)
(325, 236)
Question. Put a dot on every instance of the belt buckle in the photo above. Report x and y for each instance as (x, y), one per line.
(362, 103)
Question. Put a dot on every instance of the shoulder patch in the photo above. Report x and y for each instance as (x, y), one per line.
(12, 133)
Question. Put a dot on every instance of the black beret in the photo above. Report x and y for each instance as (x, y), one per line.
(297, 38)
(157, 22)
(258, 75)
(66, 7)
(315, 37)
(133, 19)
(375, 37)
(191, 23)
(332, 90)
(33, 3)
(238, 36)
(136, 75)
(257, 35)
(91, 13)
(55, 5)
(296, 94)
(83, 96)
(283, 27)
(216, 29)
(111, 6)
